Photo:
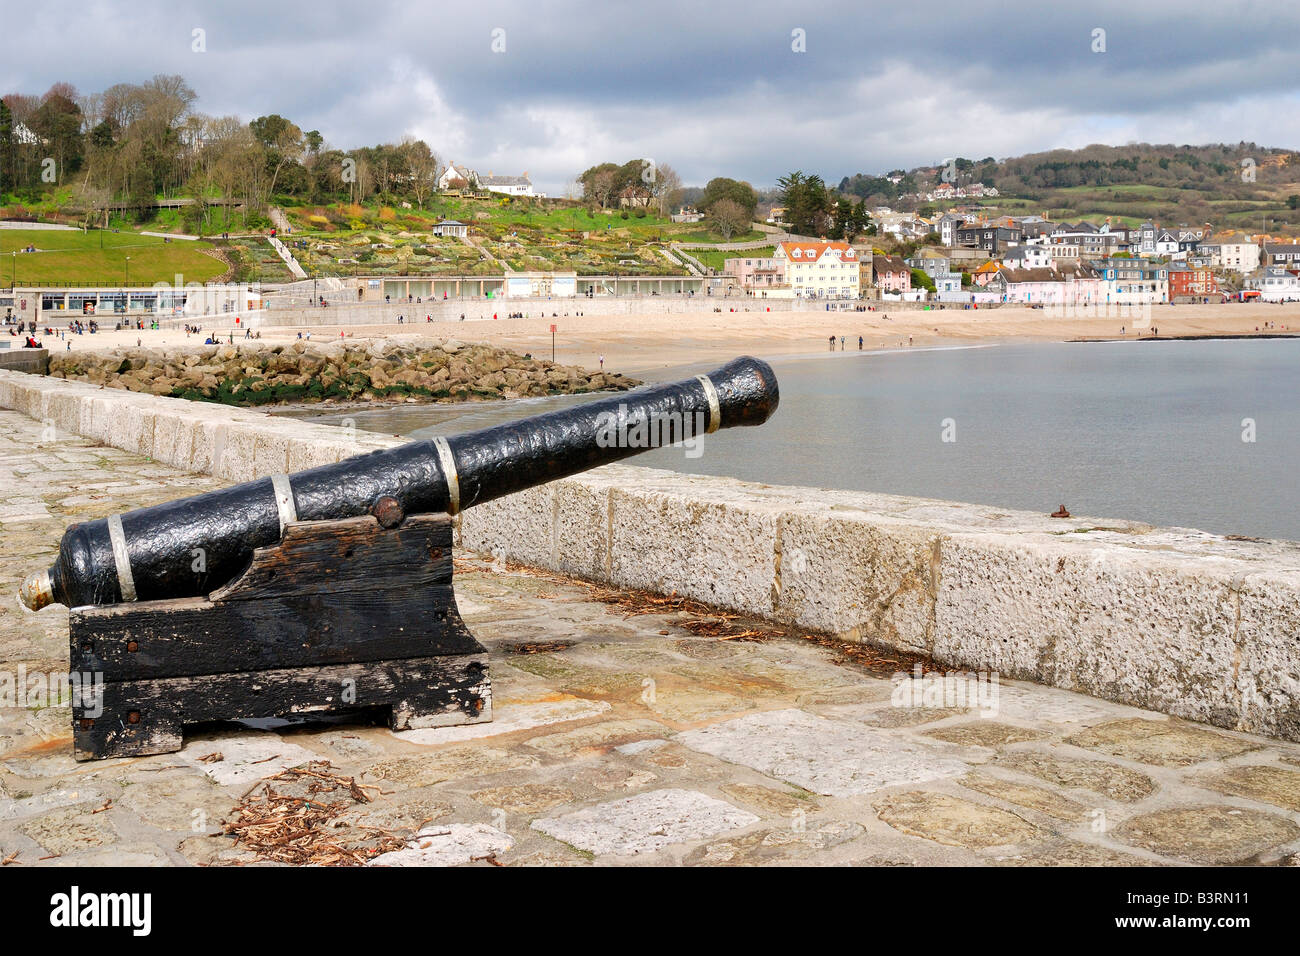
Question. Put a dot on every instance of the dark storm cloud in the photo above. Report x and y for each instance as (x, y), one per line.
(712, 88)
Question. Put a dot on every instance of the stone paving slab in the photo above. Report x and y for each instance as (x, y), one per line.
(638, 743)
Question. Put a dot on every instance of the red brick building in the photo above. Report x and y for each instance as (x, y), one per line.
(1188, 283)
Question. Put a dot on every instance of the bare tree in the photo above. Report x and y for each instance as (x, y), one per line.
(423, 168)
(728, 217)
(602, 187)
(665, 187)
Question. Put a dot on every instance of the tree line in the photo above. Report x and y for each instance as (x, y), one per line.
(136, 143)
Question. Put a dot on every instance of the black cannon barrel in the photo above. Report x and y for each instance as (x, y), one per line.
(190, 547)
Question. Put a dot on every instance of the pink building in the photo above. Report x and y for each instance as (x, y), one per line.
(891, 273)
(756, 273)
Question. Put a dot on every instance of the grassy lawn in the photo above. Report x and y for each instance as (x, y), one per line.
(717, 259)
(76, 258)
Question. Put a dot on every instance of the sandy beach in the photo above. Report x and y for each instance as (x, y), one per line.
(642, 345)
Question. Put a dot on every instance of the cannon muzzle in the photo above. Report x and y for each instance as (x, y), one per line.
(189, 547)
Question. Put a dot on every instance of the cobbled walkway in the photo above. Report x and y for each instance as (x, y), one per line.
(640, 743)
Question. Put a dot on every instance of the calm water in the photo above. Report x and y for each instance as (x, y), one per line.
(1150, 431)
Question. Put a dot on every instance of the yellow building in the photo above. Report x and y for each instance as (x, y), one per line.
(820, 270)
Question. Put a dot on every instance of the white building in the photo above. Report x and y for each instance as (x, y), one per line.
(1236, 252)
(1275, 285)
(1028, 257)
(509, 185)
(455, 172)
(450, 227)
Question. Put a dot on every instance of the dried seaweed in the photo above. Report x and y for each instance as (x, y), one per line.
(302, 821)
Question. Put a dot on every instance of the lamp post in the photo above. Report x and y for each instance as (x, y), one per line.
(13, 278)
(128, 270)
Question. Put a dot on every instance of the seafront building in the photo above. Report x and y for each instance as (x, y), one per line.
(1275, 284)
(756, 273)
(1189, 283)
(820, 270)
(1131, 281)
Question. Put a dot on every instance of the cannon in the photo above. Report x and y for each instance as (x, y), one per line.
(330, 589)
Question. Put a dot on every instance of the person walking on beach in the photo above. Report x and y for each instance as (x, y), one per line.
(841, 343)
(832, 343)
(859, 343)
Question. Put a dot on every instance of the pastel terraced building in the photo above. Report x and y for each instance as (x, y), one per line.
(755, 273)
(820, 270)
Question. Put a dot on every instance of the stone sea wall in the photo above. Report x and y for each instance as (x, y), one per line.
(1180, 621)
(250, 373)
(24, 360)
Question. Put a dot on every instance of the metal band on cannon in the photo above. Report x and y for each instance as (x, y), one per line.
(448, 464)
(121, 558)
(715, 408)
(284, 500)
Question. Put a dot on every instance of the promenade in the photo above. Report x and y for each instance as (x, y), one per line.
(627, 730)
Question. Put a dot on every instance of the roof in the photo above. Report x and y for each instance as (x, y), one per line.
(1047, 274)
(504, 181)
(813, 251)
(988, 225)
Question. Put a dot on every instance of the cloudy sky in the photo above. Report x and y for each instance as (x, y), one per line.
(712, 87)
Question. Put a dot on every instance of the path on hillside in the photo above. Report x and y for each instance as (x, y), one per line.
(281, 223)
(692, 265)
(280, 220)
(474, 244)
(225, 260)
(771, 239)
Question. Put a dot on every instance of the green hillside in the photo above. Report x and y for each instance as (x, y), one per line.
(1231, 186)
(100, 258)
(519, 234)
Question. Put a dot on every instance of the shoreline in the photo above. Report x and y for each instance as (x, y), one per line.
(648, 345)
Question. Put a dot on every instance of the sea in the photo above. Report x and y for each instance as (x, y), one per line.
(1197, 434)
